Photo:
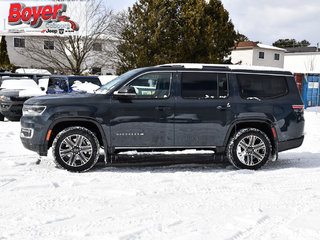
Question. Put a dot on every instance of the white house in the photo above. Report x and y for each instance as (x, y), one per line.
(302, 60)
(256, 54)
(17, 43)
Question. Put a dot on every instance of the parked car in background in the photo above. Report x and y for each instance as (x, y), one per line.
(72, 84)
(14, 91)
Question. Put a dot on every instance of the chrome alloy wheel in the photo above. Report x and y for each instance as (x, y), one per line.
(251, 150)
(75, 150)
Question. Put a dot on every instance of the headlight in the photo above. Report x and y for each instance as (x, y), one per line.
(30, 110)
(4, 98)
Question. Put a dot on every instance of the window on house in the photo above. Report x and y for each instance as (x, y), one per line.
(277, 56)
(19, 42)
(261, 55)
(48, 45)
(97, 47)
(96, 71)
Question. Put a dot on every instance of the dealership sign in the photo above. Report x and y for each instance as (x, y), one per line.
(56, 22)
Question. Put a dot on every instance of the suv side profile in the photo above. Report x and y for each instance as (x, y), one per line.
(245, 114)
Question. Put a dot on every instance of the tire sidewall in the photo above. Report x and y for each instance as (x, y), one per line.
(232, 148)
(80, 131)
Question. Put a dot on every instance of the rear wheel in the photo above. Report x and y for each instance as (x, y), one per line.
(76, 149)
(249, 148)
(1, 117)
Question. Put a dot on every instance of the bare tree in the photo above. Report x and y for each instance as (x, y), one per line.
(91, 45)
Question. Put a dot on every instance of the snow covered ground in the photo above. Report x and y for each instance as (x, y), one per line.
(280, 201)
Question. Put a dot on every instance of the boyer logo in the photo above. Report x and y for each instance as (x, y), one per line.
(35, 16)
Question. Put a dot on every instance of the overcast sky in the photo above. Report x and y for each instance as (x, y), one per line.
(259, 20)
(268, 20)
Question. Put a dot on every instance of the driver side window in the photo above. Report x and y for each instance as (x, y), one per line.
(152, 85)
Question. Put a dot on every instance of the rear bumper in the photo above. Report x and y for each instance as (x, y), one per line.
(290, 144)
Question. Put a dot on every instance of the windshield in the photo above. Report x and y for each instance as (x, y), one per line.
(116, 82)
(94, 81)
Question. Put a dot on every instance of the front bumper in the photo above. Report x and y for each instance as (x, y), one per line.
(33, 134)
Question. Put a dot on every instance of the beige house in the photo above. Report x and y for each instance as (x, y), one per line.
(256, 54)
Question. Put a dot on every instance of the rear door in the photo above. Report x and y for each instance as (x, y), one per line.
(203, 109)
(146, 120)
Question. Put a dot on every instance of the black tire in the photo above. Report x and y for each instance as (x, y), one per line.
(249, 148)
(76, 149)
(1, 117)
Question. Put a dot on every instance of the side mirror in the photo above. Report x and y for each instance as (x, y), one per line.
(125, 92)
(42, 88)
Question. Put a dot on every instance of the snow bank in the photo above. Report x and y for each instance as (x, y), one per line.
(280, 201)
(86, 86)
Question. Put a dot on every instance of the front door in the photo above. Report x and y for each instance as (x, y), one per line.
(147, 119)
(203, 110)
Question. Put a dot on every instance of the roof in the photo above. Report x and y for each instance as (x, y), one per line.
(302, 49)
(228, 67)
(251, 45)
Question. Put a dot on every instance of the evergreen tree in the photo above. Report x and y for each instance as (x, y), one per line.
(290, 43)
(169, 31)
(4, 57)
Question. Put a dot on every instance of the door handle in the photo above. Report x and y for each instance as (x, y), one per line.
(162, 108)
(223, 108)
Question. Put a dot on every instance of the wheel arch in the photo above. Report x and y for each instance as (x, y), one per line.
(264, 125)
(92, 125)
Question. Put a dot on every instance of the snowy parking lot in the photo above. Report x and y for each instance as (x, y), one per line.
(280, 201)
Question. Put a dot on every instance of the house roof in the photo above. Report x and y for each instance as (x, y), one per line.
(251, 45)
(302, 49)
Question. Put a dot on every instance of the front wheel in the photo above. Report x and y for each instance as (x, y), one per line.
(249, 148)
(76, 149)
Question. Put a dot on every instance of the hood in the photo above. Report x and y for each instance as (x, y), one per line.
(62, 99)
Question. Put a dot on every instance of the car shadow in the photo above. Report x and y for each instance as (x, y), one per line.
(200, 163)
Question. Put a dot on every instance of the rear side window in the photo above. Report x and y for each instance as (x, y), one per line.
(262, 87)
(204, 85)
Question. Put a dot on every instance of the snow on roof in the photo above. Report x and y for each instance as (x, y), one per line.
(270, 47)
(230, 66)
(32, 70)
(251, 44)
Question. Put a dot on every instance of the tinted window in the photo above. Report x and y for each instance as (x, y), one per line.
(262, 86)
(204, 85)
(152, 85)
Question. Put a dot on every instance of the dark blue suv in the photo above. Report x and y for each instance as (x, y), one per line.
(244, 114)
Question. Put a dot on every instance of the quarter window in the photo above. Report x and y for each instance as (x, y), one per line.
(262, 87)
(152, 85)
(204, 85)
(19, 42)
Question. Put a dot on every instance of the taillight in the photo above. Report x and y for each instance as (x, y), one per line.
(298, 108)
